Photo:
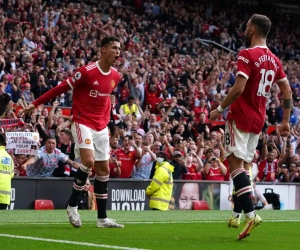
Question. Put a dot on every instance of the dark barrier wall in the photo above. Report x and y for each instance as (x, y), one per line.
(122, 195)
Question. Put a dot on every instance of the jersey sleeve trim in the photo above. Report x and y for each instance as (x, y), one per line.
(243, 74)
(281, 80)
(68, 82)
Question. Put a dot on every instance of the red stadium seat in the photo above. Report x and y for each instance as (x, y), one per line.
(43, 205)
(200, 205)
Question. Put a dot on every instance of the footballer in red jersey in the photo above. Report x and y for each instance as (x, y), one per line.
(92, 86)
(258, 70)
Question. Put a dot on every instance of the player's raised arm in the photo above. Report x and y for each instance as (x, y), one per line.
(233, 94)
(287, 106)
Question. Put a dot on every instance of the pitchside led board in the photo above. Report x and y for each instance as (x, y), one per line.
(128, 196)
(22, 142)
(122, 195)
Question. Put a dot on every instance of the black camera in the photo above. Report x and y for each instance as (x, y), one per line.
(214, 158)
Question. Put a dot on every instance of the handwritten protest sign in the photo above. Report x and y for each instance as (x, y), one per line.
(22, 142)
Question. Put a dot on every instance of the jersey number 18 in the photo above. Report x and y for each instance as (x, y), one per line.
(265, 83)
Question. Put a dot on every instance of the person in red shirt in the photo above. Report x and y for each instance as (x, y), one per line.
(124, 94)
(194, 165)
(267, 168)
(214, 169)
(127, 157)
(151, 96)
(257, 70)
(92, 86)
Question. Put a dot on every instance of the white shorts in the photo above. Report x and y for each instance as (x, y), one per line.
(85, 137)
(239, 143)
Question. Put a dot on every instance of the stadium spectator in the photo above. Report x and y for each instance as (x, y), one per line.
(214, 169)
(47, 160)
(87, 198)
(127, 157)
(6, 174)
(160, 189)
(143, 165)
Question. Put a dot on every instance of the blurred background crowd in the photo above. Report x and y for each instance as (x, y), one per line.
(178, 62)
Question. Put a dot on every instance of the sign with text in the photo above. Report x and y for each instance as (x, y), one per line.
(127, 196)
(22, 142)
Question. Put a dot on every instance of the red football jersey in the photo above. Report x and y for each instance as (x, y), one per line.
(91, 95)
(214, 174)
(124, 94)
(128, 160)
(192, 174)
(261, 68)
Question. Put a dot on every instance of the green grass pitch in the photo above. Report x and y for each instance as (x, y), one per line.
(155, 230)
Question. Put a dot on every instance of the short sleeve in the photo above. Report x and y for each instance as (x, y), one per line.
(40, 154)
(244, 64)
(62, 157)
(77, 78)
(281, 76)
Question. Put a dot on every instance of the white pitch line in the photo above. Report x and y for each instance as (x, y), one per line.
(68, 242)
(141, 222)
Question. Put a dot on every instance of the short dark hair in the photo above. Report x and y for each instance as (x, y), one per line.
(108, 39)
(130, 98)
(67, 131)
(50, 137)
(262, 23)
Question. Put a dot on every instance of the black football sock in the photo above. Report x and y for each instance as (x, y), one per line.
(237, 208)
(78, 184)
(100, 189)
(243, 189)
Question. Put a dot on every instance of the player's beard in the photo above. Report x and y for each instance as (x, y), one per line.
(248, 40)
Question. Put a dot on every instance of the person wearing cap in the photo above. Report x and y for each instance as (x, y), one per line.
(160, 189)
(6, 174)
(179, 165)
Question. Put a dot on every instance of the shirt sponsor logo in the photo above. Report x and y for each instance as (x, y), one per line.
(96, 83)
(95, 93)
(243, 59)
(87, 141)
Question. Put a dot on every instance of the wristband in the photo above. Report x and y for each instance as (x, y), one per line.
(220, 109)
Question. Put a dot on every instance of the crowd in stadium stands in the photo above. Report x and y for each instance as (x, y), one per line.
(170, 80)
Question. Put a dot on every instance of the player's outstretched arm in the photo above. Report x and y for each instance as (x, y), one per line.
(233, 94)
(287, 106)
(51, 94)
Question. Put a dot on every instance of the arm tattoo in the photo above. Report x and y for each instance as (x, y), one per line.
(287, 103)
